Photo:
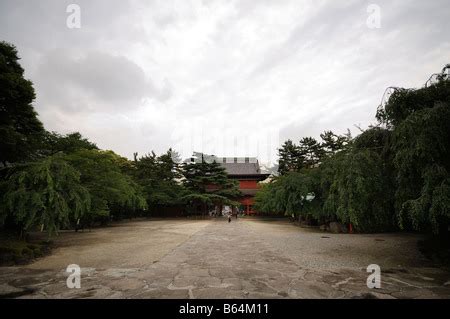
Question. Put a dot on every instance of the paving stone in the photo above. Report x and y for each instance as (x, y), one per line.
(8, 291)
(243, 259)
(162, 293)
(214, 293)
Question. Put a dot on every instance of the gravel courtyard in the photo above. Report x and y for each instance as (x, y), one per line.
(247, 258)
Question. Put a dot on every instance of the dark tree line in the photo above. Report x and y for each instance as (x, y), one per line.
(309, 152)
(50, 181)
(207, 185)
(393, 175)
(193, 186)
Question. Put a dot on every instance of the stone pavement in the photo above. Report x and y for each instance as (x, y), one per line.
(236, 260)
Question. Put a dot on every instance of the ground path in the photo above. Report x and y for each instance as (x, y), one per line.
(247, 258)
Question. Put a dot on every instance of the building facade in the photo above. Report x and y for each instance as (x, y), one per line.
(247, 172)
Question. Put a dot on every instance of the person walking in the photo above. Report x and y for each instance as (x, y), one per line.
(229, 218)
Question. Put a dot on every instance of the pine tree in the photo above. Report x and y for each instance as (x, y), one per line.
(208, 184)
(159, 176)
(332, 143)
(290, 158)
(311, 150)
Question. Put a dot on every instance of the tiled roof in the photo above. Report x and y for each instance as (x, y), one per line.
(241, 168)
(233, 165)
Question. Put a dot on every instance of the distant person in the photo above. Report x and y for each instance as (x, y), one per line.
(229, 218)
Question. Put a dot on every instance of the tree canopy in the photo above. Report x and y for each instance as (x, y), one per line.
(394, 174)
(207, 183)
(20, 128)
(47, 193)
(54, 142)
(159, 177)
(111, 190)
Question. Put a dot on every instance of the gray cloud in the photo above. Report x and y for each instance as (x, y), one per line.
(112, 82)
(144, 75)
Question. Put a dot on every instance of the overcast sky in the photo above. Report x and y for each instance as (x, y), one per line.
(233, 78)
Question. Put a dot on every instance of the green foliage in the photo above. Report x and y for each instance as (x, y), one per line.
(112, 191)
(202, 177)
(20, 129)
(194, 198)
(422, 160)
(207, 183)
(404, 102)
(290, 158)
(207, 199)
(311, 150)
(45, 193)
(348, 180)
(397, 173)
(387, 177)
(359, 190)
(158, 176)
(54, 143)
(265, 200)
(333, 143)
(309, 153)
(420, 122)
(295, 193)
